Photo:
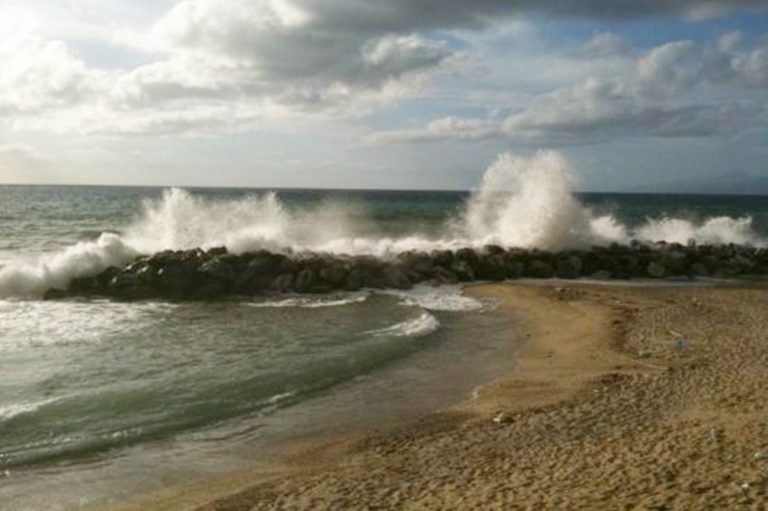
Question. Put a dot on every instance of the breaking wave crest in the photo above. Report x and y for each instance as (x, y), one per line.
(522, 201)
(425, 324)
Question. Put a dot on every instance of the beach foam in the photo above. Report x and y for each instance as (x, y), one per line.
(314, 302)
(10, 411)
(425, 324)
(443, 298)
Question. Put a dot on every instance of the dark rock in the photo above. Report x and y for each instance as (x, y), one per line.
(173, 280)
(539, 270)
(463, 270)
(218, 251)
(418, 262)
(443, 276)
(569, 268)
(442, 258)
(357, 279)
(699, 270)
(493, 267)
(335, 274)
(396, 278)
(306, 280)
(218, 269)
(282, 283)
(213, 274)
(601, 275)
(466, 254)
(55, 294)
(515, 269)
(656, 270)
(493, 250)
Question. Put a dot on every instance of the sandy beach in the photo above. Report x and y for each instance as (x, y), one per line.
(623, 397)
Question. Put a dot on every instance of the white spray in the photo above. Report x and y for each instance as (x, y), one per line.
(522, 201)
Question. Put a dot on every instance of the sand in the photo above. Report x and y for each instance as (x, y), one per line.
(621, 398)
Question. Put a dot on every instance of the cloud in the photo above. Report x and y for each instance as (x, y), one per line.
(39, 74)
(210, 65)
(678, 89)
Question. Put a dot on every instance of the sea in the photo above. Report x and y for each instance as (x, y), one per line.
(101, 401)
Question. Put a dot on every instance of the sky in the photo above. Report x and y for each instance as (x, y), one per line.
(640, 95)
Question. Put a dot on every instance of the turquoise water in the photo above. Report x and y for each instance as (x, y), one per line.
(100, 400)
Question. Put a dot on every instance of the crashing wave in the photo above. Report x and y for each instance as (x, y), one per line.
(522, 202)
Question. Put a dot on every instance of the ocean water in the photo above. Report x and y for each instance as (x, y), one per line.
(102, 400)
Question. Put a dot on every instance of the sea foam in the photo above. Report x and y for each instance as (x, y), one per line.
(523, 201)
(443, 298)
(423, 325)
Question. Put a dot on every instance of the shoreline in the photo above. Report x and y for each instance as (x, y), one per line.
(586, 347)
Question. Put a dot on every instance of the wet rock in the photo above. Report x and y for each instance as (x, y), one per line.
(699, 270)
(569, 268)
(601, 275)
(335, 274)
(357, 279)
(442, 258)
(395, 278)
(675, 262)
(217, 270)
(539, 270)
(306, 280)
(467, 255)
(200, 274)
(515, 268)
(417, 262)
(656, 270)
(282, 283)
(217, 251)
(173, 280)
(56, 294)
(491, 267)
(443, 276)
(463, 270)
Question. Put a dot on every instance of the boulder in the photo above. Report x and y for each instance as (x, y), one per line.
(601, 275)
(282, 283)
(218, 269)
(463, 270)
(335, 274)
(396, 278)
(173, 280)
(491, 267)
(306, 280)
(444, 276)
(698, 270)
(656, 270)
(569, 268)
(539, 270)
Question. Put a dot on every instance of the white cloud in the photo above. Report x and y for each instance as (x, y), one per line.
(39, 74)
(207, 65)
(678, 89)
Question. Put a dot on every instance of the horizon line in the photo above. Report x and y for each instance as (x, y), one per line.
(329, 189)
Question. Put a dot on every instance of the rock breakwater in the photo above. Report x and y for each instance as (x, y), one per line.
(216, 273)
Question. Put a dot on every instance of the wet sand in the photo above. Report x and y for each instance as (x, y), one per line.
(621, 398)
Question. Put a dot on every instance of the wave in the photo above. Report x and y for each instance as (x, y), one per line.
(425, 324)
(523, 201)
(11, 411)
(313, 302)
(444, 298)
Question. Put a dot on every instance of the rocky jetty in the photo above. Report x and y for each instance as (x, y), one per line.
(215, 273)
